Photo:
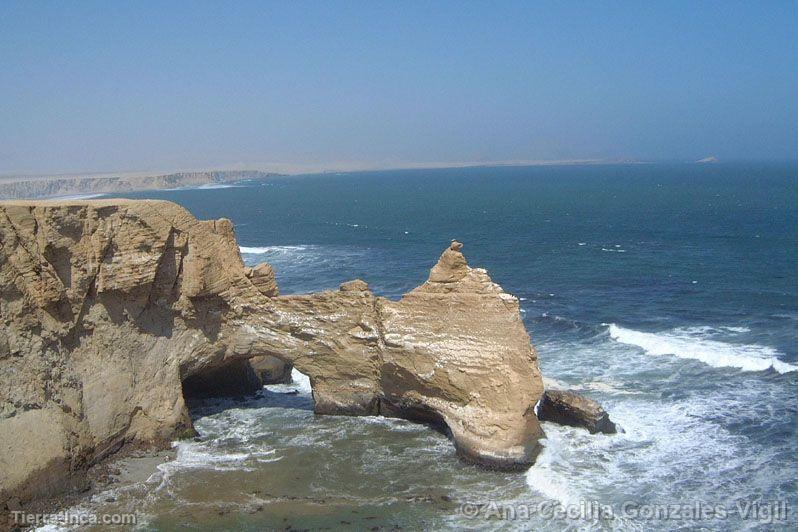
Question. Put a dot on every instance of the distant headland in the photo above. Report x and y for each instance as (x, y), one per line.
(75, 185)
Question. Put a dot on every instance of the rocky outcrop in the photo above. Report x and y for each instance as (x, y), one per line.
(113, 311)
(47, 187)
(569, 408)
(358, 285)
(262, 277)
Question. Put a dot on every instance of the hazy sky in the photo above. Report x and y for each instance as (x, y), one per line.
(112, 85)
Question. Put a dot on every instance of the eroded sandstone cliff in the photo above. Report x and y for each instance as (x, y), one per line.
(109, 308)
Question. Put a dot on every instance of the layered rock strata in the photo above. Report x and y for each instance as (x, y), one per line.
(113, 311)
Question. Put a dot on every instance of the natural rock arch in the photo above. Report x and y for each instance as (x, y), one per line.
(95, 358)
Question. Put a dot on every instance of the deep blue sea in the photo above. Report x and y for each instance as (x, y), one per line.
(667, 292)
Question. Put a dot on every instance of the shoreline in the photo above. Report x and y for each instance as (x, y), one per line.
(68, 186)
(123, 468)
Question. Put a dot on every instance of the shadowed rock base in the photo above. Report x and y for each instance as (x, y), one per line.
(235, 379)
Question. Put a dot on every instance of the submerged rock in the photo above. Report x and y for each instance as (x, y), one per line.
(114, 310)
(569, 408)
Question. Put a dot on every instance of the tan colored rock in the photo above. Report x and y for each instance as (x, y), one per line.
(110, 308)
(451, 267)
(356, 285)
(262, 276)
(461, 350)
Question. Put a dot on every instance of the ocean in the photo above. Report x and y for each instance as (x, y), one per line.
(667, 292)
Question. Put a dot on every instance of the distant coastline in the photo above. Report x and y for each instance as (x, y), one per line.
(88, 184)
(28, 187)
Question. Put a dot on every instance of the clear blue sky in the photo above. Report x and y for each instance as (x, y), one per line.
(112, 85)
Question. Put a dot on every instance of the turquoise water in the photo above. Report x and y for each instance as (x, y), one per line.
(666, 292)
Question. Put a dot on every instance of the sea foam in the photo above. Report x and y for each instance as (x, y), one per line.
(301, 381)
(79, 196)
(694, 343)
(545, 477)
(280, 250)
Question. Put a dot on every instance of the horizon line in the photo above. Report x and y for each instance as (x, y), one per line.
(336, 167)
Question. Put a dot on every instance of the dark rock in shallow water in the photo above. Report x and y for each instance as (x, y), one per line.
(569, 408)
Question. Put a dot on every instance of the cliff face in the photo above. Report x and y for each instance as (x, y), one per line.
(47, 187)
(111, 309)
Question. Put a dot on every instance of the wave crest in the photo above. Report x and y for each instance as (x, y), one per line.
(693, 344)
(280, 250)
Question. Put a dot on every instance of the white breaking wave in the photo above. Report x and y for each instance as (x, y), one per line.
(270, 249)
(301, 257)
(648, 456)
(213, 186)
(690, 343)
(545, 477)
(206, 186)
(301, 381)
(253, 250)
(79, 196)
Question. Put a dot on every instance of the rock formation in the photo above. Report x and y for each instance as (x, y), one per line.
(569, 408)
(114, 310)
